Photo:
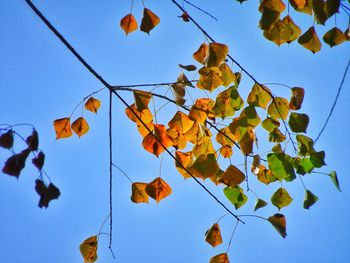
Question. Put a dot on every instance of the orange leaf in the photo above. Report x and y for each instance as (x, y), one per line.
(158, 189)
(145, 115)
(154, 142)
(226, 151)
(183, 160)
(138, 193)
(201, 54)
(149, 21)
(80, 126)
(180, 122)
(232, 176)
(62, 128)
(221, 258)
(201, 109)
(142, 99)
(128, 24)
(92, 104)
(213, 235)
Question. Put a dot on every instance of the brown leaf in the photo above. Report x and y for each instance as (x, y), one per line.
(334, 37)
(158, 189)
(201, 54)
(221, 258)
(33, 141)
(46, 193)
(185, 17)
(297, 98)
(14, 165)
(138, 193)
(188, 67)
(217, 54)
(213, 235)
(142, 99)
(39, 160)
(128, 23)
(88, 249)
(232, 176)
(6, 139)
(149, 21)
(183, 160)
(62, 128)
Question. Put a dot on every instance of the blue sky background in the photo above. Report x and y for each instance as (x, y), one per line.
(41, 81)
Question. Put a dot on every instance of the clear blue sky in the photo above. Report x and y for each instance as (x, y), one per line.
(41, 81)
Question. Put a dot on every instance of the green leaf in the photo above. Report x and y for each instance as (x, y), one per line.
(259, 204)
(310, 199)
(259, 96)
(305, 166)
(236, 196)
(249, 113)
(281, 198)
(227, 75)
(280, 165)
(279, 223)
(276, 136)
(334, 179)
(317, 159)
(306, 145)
(270, 124)
(298, 122)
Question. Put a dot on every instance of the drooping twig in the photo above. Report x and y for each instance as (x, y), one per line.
(110, 169)
(200, 9)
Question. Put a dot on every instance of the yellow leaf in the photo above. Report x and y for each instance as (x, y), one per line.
(227, 75)
(62, 128)
(205, 166)
(201, 109)
(213, 235)
(278, 108)
(248, 142)
(145, 115)
(210, 78)
(201, 54)
(149, 21)
(221, 258)
(310, 40)
(88, 249)
(183, 160)
(276, 5)
(158, 189)
(217, 54)
(180, 122)
(264, 175)
(225, 137)
(232, 176)
(334, 37)
(138, 193)
(142, 99)
(226, 151)
(259, 96)
(80, 126)
(301, 6)
(92, 104)
(154, 142)
(297, 98)
(281, 198)
(128, 24)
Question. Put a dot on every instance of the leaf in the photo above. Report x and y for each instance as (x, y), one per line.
(92, 104)
(236, 196)
(278, 221)
(46, 193)
(15, 164)
(221, 258)
(33, 141)
(227, 75)
(225, 137)
(6, 139)
(259, 204)
(205, 166)
(226, 151)
(298, 122)
(213, 235)
(324, 9)
(268, 19)
(301, 6)
(317, 159)
(232, 176)
(142, 99)
(145, 115)
(303, 166)
(62, 128)
(158, 189)
(281, 198)
(276, 5)
(310, 199)
(149, 21)
(310, 40)
(188, 67)
(227, 102)
(154, 142)
(297, 98)
(264, 175)
(276, 136)
(80, 126)
(270, 124)
(210, 78)
(128, 23)
(138, 192)
(201, 109)
(280, 165)
(201, 54)
(183, 160)
(278, 108)
(334, 178)
(251, 116)
(88, 249)
(39, 160)
(185, 17)
(306, 145)
(334, 37)
(181, 122)
(259, 96)
(217, 54)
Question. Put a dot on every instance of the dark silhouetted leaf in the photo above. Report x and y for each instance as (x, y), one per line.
(298, 122)
(278, 221)
(6, 139)
(188, 67)
(149, 20)
(14, 165)
(46, 193)
(185, 17)
(33, 141)
(310, 199)
(259, 204)
(39, 160)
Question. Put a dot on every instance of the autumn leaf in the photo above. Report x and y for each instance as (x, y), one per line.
(213, 235)
(15, 164)
(149, 21)
(92, 104)
(88, 249)
(205, 166)
(324, 9)
(310, 40)
(217, 54)
(250, 116)
(259, 204)
(306, 145)
(185, 17)
(227, 102)
(6, 139)
(270, 124)
(181, 122)
(157, 141)
(183, 160)
(62, 128)
(278, 221)
(80, 126)
(188, 67)
(297, 98)
(210, 78)
(46, 193)
(179, 88)
(281, 198)
(227, 75)
(201, 109)
(225, 137)
(232, 176)
(278, 108)
(334, 178)
(276, 136)
(310, 199)
(201, 54)
(259, 96)
(142, 99)
(158, 189)
(138, 192)
(236, 196)
(264, 175)
(33, 141)
(280, 165)
(221, 258)
(334, 37)
(301, 6)
(298, 122)
(128, 23)
(226, 151)
(39, 160)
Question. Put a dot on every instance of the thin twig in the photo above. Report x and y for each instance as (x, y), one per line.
(233, 232)
(110, 170)
(200, 9)
(124, 173)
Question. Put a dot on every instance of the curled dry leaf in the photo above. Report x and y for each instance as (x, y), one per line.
(221, 258)
(15, 164)
(278, 221)
(201, 54)
(39, 160)
(33, 141)
(88, 249)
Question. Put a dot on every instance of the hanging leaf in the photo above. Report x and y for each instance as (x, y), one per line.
(280, 165)
(306, 145)
(188, 67)
(276, 136)
(251, 116)
(145, 115)
(303, 165)
(138, 192)
(205, 166)
(278, 108)
(15, 164)
(154, 142)
(6, 139)
(210, 78)
(181, 122)
(92, 104)
(301, 6)
(227, 75)
(310, 199)
(149, 21)
(259, 96)
(142, 99)
(226, 151)
(264, 175)
(278, 221)
(281, 198)
(39, 160)
(324, 9)
(270, 124)
(232, 176)
(310, 40)
(268, 19)
(80, 126)
(33, 141)
(317, 159)
(259, 204)
(201, 109)
(88, 249)
(297, 98)
(201, 54)
(334, 178)
(128, 23)
(236, 196)
(217, 54)
(62, 128)
(221, 258)
(298, 122)
(227, 102)
(183, 160)
(46, 193)
(334, 37)
(213, 235)
(158, 189)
